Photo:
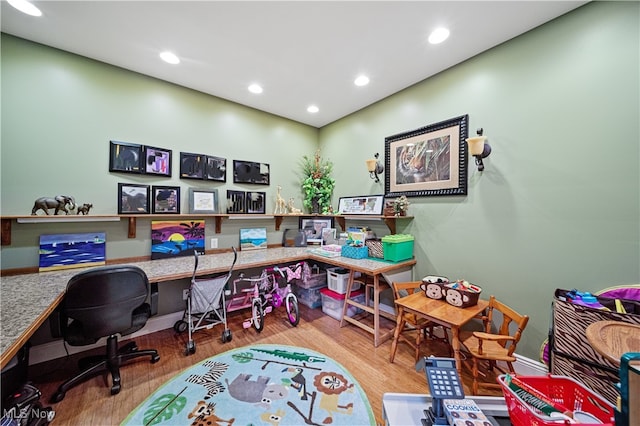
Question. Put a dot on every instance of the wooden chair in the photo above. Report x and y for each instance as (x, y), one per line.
(420, 327)
(492, 347)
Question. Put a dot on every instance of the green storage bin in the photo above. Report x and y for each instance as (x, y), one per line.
(397, 247)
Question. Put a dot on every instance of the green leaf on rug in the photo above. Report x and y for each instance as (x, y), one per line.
(165, 407)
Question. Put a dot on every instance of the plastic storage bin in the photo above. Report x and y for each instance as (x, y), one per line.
(337, 279)
(355, 252)
(397, 247)
(333, 303)
(310, 297)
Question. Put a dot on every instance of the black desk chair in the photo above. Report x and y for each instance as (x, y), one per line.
(104, 302)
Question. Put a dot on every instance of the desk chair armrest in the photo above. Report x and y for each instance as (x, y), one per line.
(153, 298)
(493, 337)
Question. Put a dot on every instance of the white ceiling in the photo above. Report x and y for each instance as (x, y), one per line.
(301, 52)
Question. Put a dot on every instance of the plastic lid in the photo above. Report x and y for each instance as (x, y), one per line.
(339, 296)
(397, 238)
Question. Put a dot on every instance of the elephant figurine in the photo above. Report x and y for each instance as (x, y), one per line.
(59, 202)
(84, 209)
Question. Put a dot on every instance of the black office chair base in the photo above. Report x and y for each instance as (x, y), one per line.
(109, 363)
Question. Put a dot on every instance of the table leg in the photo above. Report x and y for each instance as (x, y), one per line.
(347, 296)
(455, 344)
(400, 323)
(376, 310)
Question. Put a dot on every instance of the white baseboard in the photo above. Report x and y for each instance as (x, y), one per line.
(529, 367)
(56, 349)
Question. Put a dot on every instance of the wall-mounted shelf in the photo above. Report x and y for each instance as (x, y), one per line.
(390, 221)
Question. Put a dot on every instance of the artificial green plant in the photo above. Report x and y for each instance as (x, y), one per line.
(317, 183)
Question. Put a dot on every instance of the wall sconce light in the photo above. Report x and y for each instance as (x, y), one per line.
(479, 148)
(375, 167)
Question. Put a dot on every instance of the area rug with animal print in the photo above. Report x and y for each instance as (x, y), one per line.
(259, 385)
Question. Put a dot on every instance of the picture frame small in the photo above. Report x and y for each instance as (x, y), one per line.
(157, 161)
(253, 239)
(133, 198)
(216, 169)
(314, 228)
(125, 157)
(236, 201)
(361, 205)
(165, 199)
(192, 165)
(255, 202)
(203, 201)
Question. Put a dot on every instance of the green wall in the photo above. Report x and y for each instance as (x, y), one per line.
(558, 204)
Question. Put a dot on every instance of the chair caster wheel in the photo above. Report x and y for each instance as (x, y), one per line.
(155, 358)
(57, 397)
(115, 389)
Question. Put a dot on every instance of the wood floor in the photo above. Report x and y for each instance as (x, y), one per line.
(90, 403)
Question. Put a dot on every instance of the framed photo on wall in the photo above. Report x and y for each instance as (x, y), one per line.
(133, 198)
(203, 201)
(235, 201)
(250, 172)
(216, 169)
(256, 202)
(365, 205)
(428, 161)
(125, 157)
(157, 161)
(192, 165)
(166, 199)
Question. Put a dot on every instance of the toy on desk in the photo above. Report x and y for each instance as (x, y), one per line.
(444, 383)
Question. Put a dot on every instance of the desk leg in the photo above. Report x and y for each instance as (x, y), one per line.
(347, 296)
(400, 323)
(455, 344)
(376, 310)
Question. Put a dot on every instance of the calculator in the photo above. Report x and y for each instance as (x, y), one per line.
(442, 376)
(444, 383)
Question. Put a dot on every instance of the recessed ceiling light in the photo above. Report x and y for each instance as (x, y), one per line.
(25, 7)
(362, 80)
(438, 35)
(312, 109)
(170, 58)
(255, 88)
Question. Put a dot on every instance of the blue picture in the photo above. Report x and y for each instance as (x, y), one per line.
(66, 251)
(253, 238)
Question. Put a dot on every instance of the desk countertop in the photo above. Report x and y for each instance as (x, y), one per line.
(27, 300)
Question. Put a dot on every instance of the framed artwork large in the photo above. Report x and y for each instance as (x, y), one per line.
(175, 238)
(431, 160)
(203, 201)
(157, 161)
(65, 251)
(133, 198)
(125, 157)
(166, 199)
(250, 172)
(314, 227)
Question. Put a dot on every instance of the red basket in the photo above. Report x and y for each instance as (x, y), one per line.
(561, 390)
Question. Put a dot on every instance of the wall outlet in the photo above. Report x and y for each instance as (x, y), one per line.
(214, 243)
(185, 294)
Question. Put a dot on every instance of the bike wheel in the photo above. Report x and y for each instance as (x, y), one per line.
(291, 303)
(257, 315)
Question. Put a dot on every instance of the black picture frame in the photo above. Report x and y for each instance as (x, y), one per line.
(165, 199)
(157, 161)
(216, 169)
(133, 198)
(256, 202)
(361, 205)
(431, 160)
(192, 165)
(313, 227)
(236, 201)
(250, 172)
(125, 157)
